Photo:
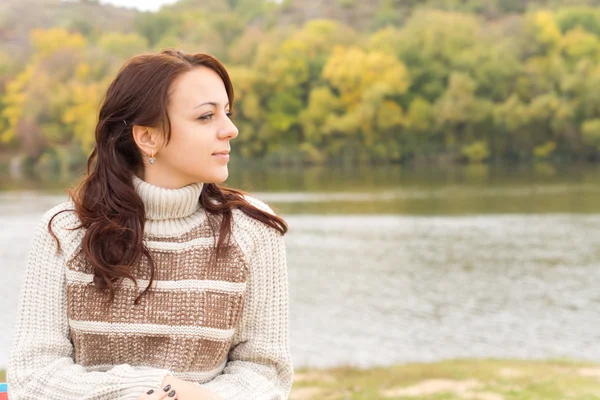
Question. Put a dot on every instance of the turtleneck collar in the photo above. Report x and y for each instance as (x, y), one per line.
(164, 204)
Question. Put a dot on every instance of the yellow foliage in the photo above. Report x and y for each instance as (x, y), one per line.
(14, 102)
(322, 105)
(476, 152)
(384, 40)
(82, 114)
(290, 67)
(244, 78)
(543, 108)
(353, 71)
(389, 115)
(46, 42)
(511, 114)
(83, 71)
(545, 28)
(578, 44)
(459, 104)
(544, 151)
(250, 107)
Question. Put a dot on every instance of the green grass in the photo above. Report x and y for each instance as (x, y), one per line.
(454, 380)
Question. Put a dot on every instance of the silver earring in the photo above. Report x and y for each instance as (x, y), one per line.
(152, 158)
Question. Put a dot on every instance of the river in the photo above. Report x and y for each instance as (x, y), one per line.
(390, 265)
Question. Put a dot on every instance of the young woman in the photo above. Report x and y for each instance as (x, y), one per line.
(153, 282)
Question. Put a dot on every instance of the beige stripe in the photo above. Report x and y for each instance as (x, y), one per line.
(81, 278)
(177, 354)
(202, 230)
(177, 246)
(200, 376)
(150, 329)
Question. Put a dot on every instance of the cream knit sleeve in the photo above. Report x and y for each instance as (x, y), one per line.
(41, 364)
(259, 365)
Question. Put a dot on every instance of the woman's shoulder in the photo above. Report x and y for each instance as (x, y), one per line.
(256, 239)
(261, 205)
(63, 221)
(62, 215)
(247, 228)
(57, 229)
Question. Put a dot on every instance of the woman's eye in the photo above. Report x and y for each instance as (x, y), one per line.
(206, 117)
(229, 114)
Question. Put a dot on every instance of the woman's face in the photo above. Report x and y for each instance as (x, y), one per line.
(201, 131)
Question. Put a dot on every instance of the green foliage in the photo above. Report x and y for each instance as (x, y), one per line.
(122, 45)
(587, 18)
(420, 80)
(388, 14)
(511, 6)
(154, 26)
(591, 132)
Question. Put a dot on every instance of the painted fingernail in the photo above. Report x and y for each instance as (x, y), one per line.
(166, 388)
(172, 393)
(150, 391)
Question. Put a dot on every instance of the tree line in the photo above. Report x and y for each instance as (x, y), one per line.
(442, 84)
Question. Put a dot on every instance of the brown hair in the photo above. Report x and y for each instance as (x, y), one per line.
(106, 201)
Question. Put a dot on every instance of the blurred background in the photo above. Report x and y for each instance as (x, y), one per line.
(437, 160)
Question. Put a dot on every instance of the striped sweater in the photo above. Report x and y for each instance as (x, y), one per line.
(224, 327)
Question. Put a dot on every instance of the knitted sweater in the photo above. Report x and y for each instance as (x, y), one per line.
(224, 327)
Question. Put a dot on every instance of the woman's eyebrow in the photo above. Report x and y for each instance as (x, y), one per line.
(211, 103)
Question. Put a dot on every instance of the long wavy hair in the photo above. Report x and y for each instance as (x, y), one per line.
(106, 202)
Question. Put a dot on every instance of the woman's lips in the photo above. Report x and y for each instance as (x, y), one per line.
(224, 156)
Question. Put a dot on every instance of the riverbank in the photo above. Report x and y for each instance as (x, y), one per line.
(451, 380)
(454, 380)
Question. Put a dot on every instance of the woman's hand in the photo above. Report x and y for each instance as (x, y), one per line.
(182, 390)
(165, 392)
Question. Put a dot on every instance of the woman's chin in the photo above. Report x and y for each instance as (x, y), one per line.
(219, 177)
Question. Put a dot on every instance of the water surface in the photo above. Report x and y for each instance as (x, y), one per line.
(391, 265)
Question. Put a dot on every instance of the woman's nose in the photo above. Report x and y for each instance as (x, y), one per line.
(228, 130)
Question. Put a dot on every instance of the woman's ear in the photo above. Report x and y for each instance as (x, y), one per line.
(148, 140)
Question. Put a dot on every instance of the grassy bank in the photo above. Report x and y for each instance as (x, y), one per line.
(451, 380)
(454, 380)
